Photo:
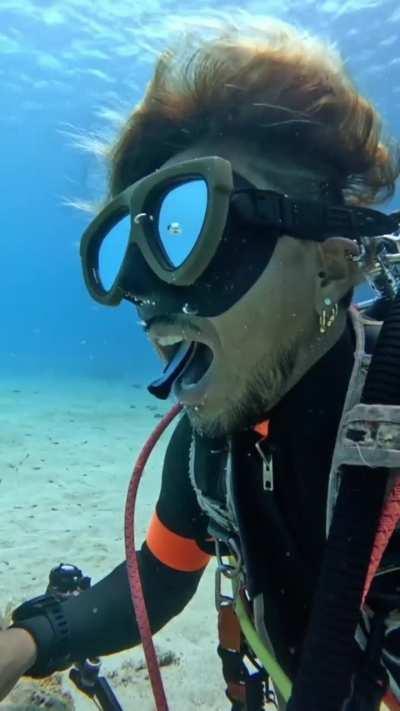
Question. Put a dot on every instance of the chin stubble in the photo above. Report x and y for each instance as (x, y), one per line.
(262, 390)
(265, 388)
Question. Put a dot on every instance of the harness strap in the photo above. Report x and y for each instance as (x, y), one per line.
(390, 703)
(246, 691)
(230, 635)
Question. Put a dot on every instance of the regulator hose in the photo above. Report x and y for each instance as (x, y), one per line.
(132, 563)
(328, 662)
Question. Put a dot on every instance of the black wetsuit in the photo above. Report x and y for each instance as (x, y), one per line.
(282, 532)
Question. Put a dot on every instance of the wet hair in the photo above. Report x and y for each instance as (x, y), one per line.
(249, 79)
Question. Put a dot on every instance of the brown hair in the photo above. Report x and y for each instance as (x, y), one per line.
(245, 80)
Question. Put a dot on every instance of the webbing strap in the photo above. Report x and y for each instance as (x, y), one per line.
(246, 691)
(229, 631)
(390, 703)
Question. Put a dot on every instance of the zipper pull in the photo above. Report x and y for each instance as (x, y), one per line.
(268, 468)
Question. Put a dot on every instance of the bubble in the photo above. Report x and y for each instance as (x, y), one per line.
(174, 228)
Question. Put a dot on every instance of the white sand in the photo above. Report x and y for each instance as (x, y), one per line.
(66, 452)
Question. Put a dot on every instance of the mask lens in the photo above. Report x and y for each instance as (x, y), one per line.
(181, 218)
(112, 252)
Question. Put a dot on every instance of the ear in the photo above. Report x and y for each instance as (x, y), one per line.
(338, 272)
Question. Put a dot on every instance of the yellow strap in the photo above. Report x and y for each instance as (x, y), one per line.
(281, 682)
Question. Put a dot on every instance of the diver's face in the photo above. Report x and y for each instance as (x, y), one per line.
(264, 343)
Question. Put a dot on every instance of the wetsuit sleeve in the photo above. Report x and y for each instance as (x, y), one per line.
(101, 620)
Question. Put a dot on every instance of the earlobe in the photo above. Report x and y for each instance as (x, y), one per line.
(338, 270)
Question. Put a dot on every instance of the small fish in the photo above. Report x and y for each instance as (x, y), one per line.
(174, 228)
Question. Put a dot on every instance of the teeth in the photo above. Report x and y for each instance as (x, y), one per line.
(169, 340)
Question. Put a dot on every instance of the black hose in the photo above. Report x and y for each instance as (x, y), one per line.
(383, 380)
(329, 657)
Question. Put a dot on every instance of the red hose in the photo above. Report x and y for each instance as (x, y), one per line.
(135, 583)
(389, 520)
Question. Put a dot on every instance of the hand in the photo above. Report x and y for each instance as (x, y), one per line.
(18, 653)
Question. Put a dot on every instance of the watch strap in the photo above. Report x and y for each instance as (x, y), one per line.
(44, 618)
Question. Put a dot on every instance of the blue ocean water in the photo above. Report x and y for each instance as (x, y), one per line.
(67, 68)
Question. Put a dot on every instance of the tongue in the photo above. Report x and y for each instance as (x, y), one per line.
(162, 387)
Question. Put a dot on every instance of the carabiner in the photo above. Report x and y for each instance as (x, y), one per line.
(228, 570)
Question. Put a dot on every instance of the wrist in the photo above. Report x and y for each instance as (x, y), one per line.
(24, 646)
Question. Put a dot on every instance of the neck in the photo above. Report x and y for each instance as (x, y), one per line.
(303, 432)
(318, 350)
(317, 398)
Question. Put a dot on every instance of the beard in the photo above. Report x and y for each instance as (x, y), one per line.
(259, 393)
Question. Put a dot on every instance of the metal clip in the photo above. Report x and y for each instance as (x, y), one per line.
(220, 599)
(268, 468)
(228, 570)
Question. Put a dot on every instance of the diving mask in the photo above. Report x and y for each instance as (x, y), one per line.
(183, 220)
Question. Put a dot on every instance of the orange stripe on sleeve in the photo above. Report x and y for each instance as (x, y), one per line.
(176, 551)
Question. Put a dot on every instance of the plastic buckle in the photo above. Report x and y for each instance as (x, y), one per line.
(302, 218)
(358, 222)
(340, 219)
(268, 207)
(291, 211)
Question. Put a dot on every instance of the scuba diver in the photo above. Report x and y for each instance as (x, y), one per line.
(238, 224)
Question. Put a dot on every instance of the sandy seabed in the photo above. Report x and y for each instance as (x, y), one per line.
(67, 450)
